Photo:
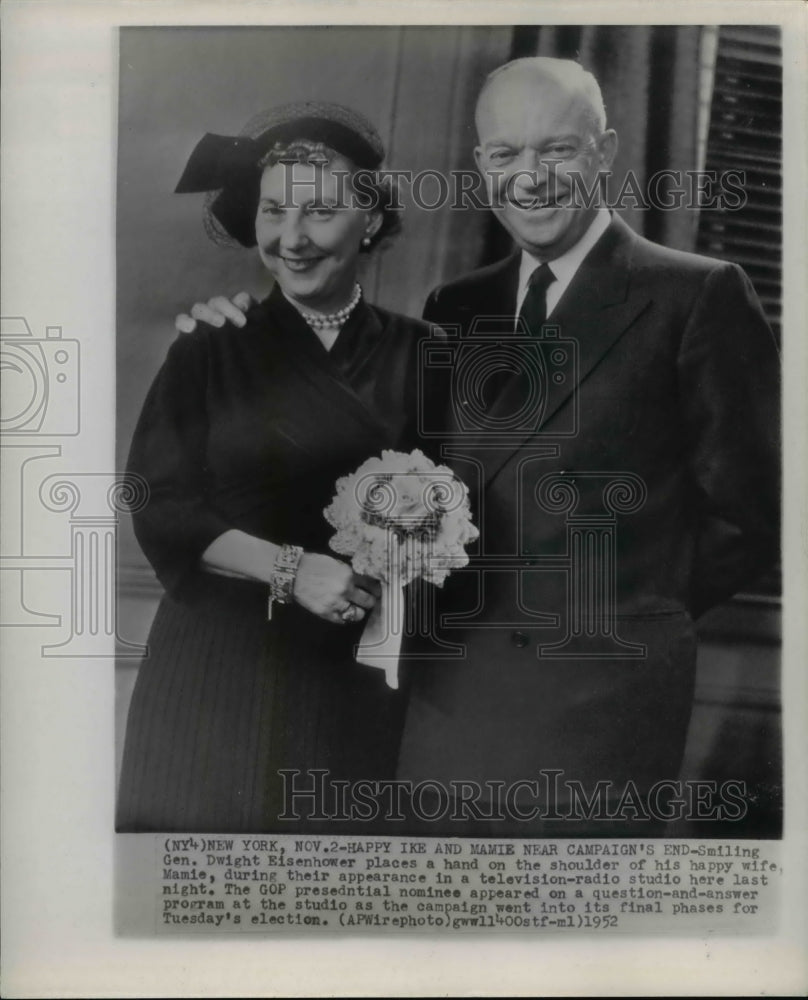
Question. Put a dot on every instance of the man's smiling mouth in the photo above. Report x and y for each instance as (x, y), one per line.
(533, 204)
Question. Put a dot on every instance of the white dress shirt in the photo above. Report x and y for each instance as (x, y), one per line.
(563, 267)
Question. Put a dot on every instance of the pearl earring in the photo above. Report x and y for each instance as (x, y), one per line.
(365, 241)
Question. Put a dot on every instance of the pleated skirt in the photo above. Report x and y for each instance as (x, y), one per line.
(225, 700)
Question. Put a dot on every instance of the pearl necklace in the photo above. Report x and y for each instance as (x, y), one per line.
(324, 321)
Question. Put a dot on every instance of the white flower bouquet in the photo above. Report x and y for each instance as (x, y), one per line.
(400, 518)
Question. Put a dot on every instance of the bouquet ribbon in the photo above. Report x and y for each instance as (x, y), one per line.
(380, 645)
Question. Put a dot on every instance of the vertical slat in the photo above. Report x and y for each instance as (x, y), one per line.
(745, 129)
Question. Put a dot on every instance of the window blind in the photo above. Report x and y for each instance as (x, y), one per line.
(745, 133)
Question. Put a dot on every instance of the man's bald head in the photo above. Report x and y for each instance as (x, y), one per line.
(543, 140)
(543, 73)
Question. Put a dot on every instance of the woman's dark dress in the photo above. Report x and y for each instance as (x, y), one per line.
(250, 429)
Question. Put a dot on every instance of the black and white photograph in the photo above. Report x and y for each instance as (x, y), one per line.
(403, 507)
(607, 661)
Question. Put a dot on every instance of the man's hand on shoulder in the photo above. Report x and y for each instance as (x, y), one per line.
(216, 312)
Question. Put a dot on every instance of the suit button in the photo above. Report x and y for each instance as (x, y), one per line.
(519, 639)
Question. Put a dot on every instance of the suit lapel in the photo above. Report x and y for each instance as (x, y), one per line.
(498, 296)
(489, 299)
(595, 310)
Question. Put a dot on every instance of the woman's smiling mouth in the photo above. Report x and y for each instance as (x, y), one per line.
(300, 264)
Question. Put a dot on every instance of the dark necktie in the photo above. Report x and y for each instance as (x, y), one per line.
(534, 313)
(534, 308)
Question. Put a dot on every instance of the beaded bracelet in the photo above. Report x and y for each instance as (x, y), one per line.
(282, 580)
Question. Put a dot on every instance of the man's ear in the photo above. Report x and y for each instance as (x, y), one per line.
(607, 148)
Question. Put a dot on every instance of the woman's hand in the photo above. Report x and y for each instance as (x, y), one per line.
(323, 585)
(330, 588)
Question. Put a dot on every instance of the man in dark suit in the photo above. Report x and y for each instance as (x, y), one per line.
(615, 413)
(625, 476)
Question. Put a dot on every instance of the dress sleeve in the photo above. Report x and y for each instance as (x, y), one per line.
(168, 452)
(729, 372)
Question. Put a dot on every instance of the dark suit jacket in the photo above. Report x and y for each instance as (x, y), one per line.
(640, 490)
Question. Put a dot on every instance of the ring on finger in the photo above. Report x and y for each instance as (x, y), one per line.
(351, 614)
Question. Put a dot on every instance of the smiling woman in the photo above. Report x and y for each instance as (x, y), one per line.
(241, 441)
(308, 229)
